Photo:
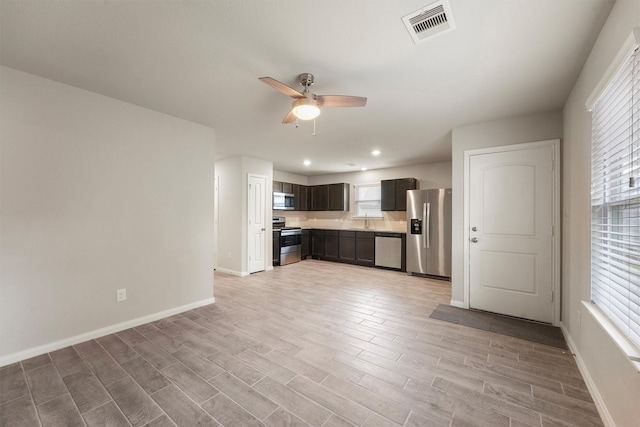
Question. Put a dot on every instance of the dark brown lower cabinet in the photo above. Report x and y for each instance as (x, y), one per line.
(365, 248)
(305, 241)
(331, 245)
(347, 247)
(276, 248)
(317, 244)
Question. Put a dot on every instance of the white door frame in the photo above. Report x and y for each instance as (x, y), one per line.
(555, 286)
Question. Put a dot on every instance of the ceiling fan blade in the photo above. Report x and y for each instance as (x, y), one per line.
(281, 87)
(341, 101)
(289, 118)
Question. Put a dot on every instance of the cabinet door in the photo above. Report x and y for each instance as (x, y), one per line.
(402, 185)
(347, 247)
(301, 194)
(277, 186)
(331, 246)
(287, 187)
(319, 197)
(303, 198)
(365, 248)
(276, 248)
(338, 197)
(388, 195)
(304, 243)
(317, 244)
(296, 197)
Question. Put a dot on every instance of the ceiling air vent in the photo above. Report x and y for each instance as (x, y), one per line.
(429, 21)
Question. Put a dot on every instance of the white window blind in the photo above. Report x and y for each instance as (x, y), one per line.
(367, 200)
(615, 199)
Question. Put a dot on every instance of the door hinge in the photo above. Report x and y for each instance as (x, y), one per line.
(552, 296)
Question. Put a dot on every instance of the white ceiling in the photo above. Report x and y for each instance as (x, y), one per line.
(200, 60)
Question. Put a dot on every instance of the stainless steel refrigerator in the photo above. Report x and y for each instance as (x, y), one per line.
(429, 232)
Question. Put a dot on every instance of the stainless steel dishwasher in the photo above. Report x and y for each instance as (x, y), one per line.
(388, 250)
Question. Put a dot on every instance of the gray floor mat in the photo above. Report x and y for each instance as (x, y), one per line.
(504, 325)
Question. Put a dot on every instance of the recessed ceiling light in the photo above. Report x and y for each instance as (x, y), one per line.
(363, 169)
(376, 152)
(307, 162)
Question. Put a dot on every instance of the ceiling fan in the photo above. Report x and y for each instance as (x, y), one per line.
(306, 104)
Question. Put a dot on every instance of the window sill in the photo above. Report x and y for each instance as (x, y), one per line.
(627, 347)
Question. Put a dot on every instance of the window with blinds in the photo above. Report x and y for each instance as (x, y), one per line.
(367, 200)
(615, 199)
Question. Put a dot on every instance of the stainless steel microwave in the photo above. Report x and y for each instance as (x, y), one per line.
(283, 201)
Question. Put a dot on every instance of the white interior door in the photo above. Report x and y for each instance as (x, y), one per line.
(257, 215)
(511, 246)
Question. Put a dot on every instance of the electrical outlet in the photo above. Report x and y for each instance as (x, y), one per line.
(121, 295)
(579, 319)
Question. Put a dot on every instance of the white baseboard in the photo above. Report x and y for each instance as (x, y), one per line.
(456, 303)
(97, 333)
(233, 272)
(591, 385)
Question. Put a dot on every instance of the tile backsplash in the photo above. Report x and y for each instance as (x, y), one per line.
(390, 221)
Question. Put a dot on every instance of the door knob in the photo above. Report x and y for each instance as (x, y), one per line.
(474, 239)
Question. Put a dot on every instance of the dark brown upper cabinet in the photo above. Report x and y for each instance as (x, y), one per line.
(330, 197)
(327, 197)
(287, 187)
(301, 194)
(319, 198)
(393, 193)
(338, 197)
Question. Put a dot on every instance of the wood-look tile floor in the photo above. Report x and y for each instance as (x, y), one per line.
(311, 343)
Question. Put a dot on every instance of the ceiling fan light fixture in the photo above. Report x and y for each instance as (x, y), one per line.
(306, 108)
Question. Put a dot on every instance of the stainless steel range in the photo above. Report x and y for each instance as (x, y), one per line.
(290, 241)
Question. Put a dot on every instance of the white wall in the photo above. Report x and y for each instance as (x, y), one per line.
(290, 177)
(230, 214)
(618, 384)
(232, 176)
(97, 195)
(429, 175)
(513, 130)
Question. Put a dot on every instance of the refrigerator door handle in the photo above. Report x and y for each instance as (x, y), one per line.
(424, 231)
(426, 224)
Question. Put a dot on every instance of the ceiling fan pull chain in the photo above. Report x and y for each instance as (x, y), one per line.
(314, 127)
(297, 123)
